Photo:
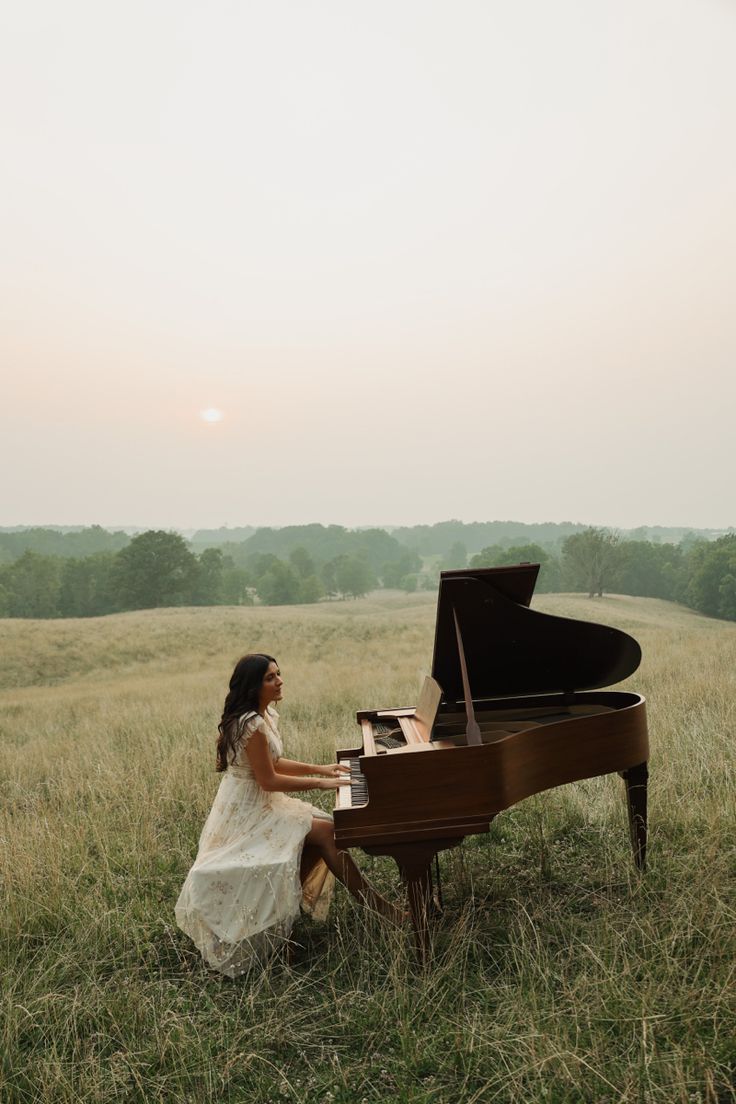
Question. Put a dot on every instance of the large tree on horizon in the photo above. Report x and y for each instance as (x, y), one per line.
(156, 569)
(589, 560)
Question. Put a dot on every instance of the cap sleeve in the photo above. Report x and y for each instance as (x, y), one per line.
(248, 724)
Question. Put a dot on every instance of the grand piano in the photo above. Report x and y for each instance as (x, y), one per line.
(522, 707)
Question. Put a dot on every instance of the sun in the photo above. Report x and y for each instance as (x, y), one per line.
(211, 415)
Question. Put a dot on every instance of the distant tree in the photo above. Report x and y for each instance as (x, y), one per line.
(438, 539)
(689, 540)
(237, 553)
(456, 558)
(311, 589)
(589, 560)
(77, 544)
(394, 571)
(86, 586)
(391, 574)
(499, 556)
(301, 562)
(280, 586)
(326, 542)
(237, 584)
(208, 582)
(492, 556)
(328, 573)
(649, 568)
(712, 571)
(354, 577)
(93, 540)
(31, 586)
(727, 596)
(261, 562)
(156, 569)
(375, 547)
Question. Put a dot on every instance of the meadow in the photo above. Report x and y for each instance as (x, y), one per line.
(559, 974)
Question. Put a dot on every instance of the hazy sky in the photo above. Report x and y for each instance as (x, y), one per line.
(469, 259)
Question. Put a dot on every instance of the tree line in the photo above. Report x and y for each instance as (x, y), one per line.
(157, 568)
(476, 536)
(327, 542)
(700, 574)
(74, 543)
(322, 542)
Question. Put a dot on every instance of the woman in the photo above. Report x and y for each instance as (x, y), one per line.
(262, 853)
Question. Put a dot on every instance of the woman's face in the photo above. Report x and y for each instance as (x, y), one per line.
(271, 686)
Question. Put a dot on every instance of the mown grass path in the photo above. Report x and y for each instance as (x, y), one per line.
(559, 974)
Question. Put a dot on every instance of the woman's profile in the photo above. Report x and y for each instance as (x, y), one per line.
(263, 854)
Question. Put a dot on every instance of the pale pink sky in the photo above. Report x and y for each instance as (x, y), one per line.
(431, 260)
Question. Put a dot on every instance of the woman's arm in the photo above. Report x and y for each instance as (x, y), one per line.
(296, 769)
(273, 780)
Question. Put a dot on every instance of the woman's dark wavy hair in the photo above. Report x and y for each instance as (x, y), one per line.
(243, 697)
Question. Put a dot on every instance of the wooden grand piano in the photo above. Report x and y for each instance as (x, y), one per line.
(522, 710)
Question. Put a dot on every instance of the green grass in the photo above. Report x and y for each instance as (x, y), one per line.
(559, 975)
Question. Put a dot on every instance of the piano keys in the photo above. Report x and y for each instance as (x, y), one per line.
(525, 707)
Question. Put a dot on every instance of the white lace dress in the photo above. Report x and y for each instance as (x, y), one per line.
(243, 892)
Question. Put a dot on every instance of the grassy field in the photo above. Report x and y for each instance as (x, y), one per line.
(559, 975)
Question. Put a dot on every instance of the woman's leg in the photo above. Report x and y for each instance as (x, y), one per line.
(322, 838)
(310, 856)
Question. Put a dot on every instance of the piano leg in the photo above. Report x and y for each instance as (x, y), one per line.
(636, 799)
(414, 861)
(415, 865)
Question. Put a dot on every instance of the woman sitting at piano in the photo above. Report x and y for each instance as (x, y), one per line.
(262, 854)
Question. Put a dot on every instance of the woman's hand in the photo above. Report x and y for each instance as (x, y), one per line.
(335, 770)
(329, 783)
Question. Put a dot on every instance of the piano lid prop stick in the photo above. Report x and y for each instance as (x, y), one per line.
(472, 731)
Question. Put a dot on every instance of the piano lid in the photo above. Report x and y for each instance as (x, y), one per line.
(511, 650)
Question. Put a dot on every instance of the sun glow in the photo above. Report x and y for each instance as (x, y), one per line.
(211, 415)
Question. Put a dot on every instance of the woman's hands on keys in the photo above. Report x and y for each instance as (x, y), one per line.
(334, 775)
(335, 770)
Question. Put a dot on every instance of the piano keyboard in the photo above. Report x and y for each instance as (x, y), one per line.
(356, 791)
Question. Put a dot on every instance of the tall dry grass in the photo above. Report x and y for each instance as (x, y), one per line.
(559, 974)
